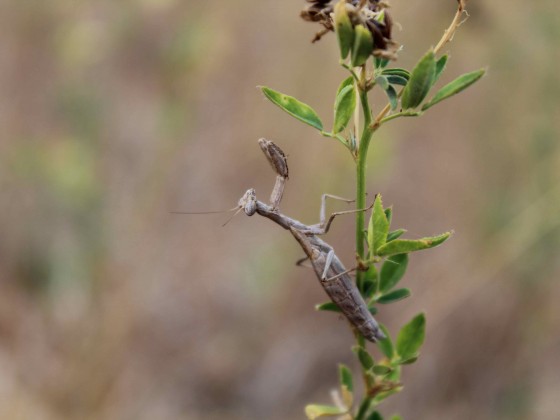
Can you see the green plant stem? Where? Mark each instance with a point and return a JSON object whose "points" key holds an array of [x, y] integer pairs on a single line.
{"points": [[364, 407], [361, 165], [361, 194]]}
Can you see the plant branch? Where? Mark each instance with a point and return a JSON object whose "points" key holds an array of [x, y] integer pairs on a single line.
{"points": [[447, 37], [450, 32], [361, 163]]}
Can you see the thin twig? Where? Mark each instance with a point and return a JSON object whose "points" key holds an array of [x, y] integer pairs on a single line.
{"points": [[450, 32]]}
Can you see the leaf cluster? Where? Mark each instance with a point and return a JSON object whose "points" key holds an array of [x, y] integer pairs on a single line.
{"points": [[382, 378], [387, 250]]}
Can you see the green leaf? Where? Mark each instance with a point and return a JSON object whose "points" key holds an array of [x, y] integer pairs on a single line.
{"points": [[401, 246], [370, 278], [345, 377], [389, 214], [397, 80], [384, 395], [420, 81], [314, 411], [378, 227], [408, 361], [456, 86], [343, 28], [396, 418], [372, 310], [365, 358], [440, 67], [411, 337], [363, 45], [395, 375], [379, 62], [328, 306], [386, 345], [382, 82], [395, 234], [346, 385], [344, 108], [375, 416], [393, 97], [294, 107], [394, 296], [392, 271], [397, 72], [381, 370], [349, 81]]}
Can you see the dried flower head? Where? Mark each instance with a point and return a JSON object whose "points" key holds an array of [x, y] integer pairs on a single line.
{"points": [[372, 14]]}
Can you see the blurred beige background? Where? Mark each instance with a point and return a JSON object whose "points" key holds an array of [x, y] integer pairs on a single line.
{"points": [[114, 113]]}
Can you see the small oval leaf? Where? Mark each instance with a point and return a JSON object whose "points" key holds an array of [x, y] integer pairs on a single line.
{"points": [[369, 282], [386, 345], [397, 80], [394, 296], [420, 82], [382, 82], [381, 370], [389, 213], [456, 86], [397, 72], [345, 377], [440, 67], [402, 246], [315, 411], [378, 227], [295, 108], [392, 271], [366, 360], [344, 108], [327, 306], [380, 63], [411, 337], [395, 234], [375, 416], [408, 361], [363, 45], [343, 28], [349, 81], [346, 385], [393, 97]]}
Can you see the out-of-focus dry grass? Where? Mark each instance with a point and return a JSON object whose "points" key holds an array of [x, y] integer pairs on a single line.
{"points": [[115, 113]]}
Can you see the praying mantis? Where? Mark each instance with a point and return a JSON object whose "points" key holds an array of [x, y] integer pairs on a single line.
{"points": [[333, 276]]}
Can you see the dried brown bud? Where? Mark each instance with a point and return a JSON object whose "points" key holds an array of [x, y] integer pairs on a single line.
{"points": [[370, 13]]}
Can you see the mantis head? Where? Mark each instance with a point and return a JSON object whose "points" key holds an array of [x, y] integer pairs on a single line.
{"points": [[249, 202]]}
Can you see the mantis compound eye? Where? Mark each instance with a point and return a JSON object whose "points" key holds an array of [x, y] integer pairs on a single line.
{"points": [[249, 202]]}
